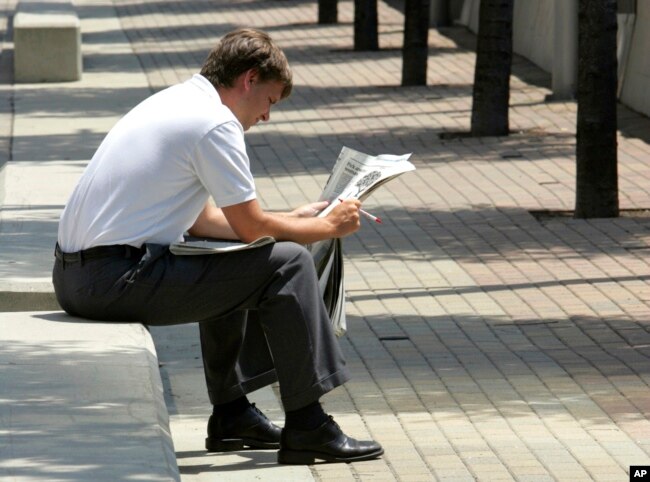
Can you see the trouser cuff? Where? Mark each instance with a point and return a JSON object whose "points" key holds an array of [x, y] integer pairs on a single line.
{"points": [[244, 388], [304, 398]]}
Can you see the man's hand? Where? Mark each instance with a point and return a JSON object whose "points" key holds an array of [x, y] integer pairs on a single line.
{"points": [[345, 217]]}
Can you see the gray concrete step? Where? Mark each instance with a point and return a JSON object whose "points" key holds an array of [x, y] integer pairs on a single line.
{"points": [[81, 401]]}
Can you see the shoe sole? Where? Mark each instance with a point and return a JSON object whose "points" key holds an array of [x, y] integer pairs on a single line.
{"points": [[300, 457], [233, 444]]}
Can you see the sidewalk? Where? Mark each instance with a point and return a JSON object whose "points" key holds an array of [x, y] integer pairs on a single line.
{"points": [[487, 339]]}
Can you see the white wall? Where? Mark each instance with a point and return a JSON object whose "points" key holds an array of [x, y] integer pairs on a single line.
{"points": [[635, 91], [532, 35], [532, 31], [533, 39]]}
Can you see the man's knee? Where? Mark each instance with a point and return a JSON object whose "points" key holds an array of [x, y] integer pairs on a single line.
{"points": [[289, 251], [294, 254]]}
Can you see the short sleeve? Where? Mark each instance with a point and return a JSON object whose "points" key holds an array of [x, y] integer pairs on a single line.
{"points": [[222, 165]]}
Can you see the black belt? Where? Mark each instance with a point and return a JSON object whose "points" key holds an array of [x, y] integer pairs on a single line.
{"points": [[98, 252]]}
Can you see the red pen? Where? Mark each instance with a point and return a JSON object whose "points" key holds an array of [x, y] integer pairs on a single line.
{"points": [[367, 214]]}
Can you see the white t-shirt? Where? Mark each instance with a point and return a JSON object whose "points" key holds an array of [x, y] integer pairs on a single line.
{"points": [[155, 170]]}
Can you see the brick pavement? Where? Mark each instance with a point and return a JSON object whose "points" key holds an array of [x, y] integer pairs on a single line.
{"points": [[486, 343]]}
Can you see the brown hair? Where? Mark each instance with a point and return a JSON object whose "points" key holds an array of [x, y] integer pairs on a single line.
{"points": [[244, 49]]}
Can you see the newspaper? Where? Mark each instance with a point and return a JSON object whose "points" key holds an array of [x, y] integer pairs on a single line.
{"points": [[197, 246], [354, 175]]}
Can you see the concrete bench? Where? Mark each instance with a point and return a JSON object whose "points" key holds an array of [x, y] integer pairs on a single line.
{"points": [[47, 42], [81, 401]]}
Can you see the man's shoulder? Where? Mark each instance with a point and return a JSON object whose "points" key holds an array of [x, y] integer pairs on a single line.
{"points": [[188, 104], [203, 99]]}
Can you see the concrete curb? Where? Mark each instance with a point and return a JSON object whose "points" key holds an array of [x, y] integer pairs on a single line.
{"points": [[77, 401]]}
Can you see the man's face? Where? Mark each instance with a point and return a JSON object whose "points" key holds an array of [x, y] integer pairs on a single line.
{"points": [[257, 101]]}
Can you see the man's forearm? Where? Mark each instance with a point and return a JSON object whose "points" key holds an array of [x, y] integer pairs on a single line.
{"points": [[250, 222], [302, 230]]}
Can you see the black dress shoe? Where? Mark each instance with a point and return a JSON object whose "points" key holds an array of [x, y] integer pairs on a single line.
{"points": [[327, 442], [251, 429]]}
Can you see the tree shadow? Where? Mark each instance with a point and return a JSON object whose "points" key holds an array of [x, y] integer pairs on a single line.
{"points": [[448, 357], [420, 291], [483, 235]]}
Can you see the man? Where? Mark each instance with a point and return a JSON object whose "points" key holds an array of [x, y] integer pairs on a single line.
{"points": [[260, 312]]}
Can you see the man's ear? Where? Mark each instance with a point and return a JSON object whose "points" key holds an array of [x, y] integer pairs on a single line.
{"points": [[251, 76]]}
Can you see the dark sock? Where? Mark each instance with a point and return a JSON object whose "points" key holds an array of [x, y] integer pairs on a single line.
{"points": [[233, 408], [306, 418]]}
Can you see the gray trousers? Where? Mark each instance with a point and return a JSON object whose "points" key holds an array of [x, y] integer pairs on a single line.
{"points": [[260, 311]]}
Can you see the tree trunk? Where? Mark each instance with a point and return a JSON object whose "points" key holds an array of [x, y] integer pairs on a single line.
{"points": [[366, 36], [491, 96], [440, 13], [415, 53], [327, 11], [596, 152]]}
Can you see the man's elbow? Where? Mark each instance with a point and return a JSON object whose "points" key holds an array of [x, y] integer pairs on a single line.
{"points": [[193, 231], [248, 221], [248, 235], [201, 226], [252, 229]]}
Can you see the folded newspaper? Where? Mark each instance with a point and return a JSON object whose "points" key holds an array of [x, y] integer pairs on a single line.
{"points": [[355, 175], [195, 246]]}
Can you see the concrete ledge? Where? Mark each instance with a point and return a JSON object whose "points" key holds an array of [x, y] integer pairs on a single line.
{"points": [[81, 401], [47, 42]]}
